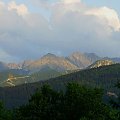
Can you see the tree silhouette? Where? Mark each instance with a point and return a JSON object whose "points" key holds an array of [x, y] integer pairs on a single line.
{"points": [[75, 103]]}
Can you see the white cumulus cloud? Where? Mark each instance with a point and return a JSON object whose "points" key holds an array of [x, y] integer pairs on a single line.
{"points": [[20, 9], [108, 15], [72, 26], [1, 4]]}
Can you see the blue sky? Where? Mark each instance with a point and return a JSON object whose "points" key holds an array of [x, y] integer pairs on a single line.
{"points": [[32, 28]]}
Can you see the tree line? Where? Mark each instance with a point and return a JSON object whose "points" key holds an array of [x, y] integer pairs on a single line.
{"points": [[76, 102]]}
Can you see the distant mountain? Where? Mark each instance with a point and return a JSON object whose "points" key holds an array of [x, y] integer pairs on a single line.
{"points": [[49, 66], [52, 61], [3, 66], [13, 66], [117, 60], [25, 63], [74, 61], [21, 65], [92, 57], [79, 59], [83, 60], [101, 63]]}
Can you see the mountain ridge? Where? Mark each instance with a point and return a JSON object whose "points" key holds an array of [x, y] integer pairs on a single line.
{"points": [[74, 61], [52, 61]]}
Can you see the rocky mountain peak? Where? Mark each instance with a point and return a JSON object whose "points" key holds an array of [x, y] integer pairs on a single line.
{"points": [[92, 57], [49, 55], [79, 59], [100, 63]]}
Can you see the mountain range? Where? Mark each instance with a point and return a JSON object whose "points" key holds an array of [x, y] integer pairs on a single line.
{"points": [[19, 81], [76, 60], [49, 66]]}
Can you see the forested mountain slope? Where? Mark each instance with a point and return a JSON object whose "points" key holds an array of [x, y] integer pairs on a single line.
{"points": [[12, 78], [104, 77]]}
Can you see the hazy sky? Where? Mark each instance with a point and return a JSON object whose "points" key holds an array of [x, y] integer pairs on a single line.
{"points": [[31, 28]]}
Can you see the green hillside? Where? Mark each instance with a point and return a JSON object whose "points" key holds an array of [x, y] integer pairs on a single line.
{"points": [[104, 77], [5, 74], [19, 79]]}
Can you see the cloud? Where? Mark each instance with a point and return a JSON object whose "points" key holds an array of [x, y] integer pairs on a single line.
{"points": [[72, 26], [1, 4], [20, 9], [22, 37], [108, 15], [88, 29], [70, 1]]}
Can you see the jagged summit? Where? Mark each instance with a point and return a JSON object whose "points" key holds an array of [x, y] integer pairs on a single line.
{"points": [[49, 55], [52, 61], [79, 59], [92, 57], [75, 61], [103, 62]]}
